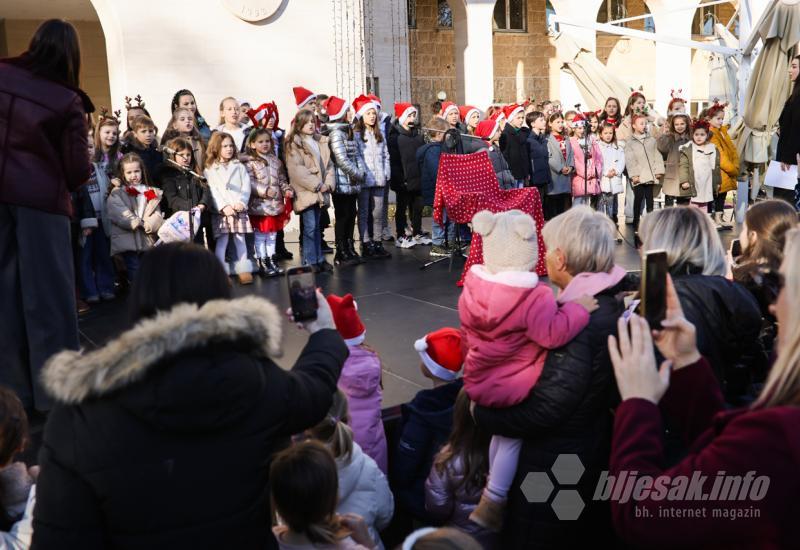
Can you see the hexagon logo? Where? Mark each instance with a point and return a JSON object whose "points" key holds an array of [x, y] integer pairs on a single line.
{"points": [[567, 469], [537, 487], [568, 504]]}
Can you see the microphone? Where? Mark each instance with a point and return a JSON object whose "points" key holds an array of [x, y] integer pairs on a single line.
{"points": [[169, 150]]}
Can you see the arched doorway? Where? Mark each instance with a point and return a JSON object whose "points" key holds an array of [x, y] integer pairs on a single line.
{"points": [[19, 19]]}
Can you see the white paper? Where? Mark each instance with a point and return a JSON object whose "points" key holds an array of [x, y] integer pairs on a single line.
{"points": [[778, 178]]}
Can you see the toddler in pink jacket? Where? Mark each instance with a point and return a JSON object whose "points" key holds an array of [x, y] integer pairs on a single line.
{"points": [[509, 320], [360, 381]]}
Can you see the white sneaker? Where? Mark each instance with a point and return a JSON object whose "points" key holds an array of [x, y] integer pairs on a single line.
{"points": [[406, 242], [423, 240]]}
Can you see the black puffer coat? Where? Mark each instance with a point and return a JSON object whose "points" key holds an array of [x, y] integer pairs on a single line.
{"points": [[514, 145], [403, 145], [567, 412], [163, 438]]}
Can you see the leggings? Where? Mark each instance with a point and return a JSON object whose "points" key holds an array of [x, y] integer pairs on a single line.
{"points": [[265, 244], [503, 459], [641, 192], [407, 200], [241, 251], [370, 209], [719, 202], [344, 206]]}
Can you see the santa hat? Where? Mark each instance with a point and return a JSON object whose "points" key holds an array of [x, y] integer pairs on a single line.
{"points": [[345, 316], [362, 104], [579, 120], [303, 96], [441, 353], [498, 116], [335, 107], [402, 110], [261, 115], [510, 111], [447, 106], [487, 128], [465, 111], [376, 100]]}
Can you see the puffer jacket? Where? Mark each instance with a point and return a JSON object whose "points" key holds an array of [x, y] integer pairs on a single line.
{"points": [[129, 233], [348, 161], [403, 145], [559, 183], [583, 184], [643, 160], [540, 159], [449, 501], [361, 383], [364, 490], [514, 145], [268, 185], [184, 412], [669, 146], [376, 158], [728, 159], [306, 176], [505, 179], [568, 411]]}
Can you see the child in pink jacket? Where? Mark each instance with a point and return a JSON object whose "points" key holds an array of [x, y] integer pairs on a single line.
{"points": [[360, 381], [588, 168], [509, 320]]}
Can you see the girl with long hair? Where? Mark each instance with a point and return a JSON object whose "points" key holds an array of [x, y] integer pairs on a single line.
{"points": [[183, 125], [185, 99], [229, 115]]}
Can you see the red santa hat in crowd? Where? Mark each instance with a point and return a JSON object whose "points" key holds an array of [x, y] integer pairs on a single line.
{"points": [[303, 96], [579, 120], [441, 353], [335, 107], [402, 110], [510, 111], [465, 111], [447, 106], [362, 104], [498, 115], [487, 128], [345, 316], [261, 115], [376, 100]]}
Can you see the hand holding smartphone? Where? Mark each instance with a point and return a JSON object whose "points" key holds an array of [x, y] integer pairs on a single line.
{"points": [[302, 293], [653, 291]]}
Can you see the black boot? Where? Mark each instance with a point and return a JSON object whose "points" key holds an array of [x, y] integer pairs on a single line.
{"points": [[340, 258], [351, 248], [380, 252], [271, 269], [367, 251], [262, 268], [326, 248], [280, 249]]}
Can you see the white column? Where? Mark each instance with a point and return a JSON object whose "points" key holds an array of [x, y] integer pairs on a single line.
{"points": [[472, 25], [673, 63], [579, 11]]}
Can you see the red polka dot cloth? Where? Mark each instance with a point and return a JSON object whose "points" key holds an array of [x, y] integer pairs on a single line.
{"points": [[466, 184]]}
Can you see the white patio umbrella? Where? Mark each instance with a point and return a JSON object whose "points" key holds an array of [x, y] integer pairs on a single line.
{"points": [[723, 69]]}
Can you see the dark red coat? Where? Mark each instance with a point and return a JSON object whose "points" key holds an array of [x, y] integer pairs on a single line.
{"points": [[43, 141], [764, 441]]}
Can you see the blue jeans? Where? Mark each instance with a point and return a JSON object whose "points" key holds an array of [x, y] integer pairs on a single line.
{"points": [[312, 236], [438, 232], [132, 260], [97, 272]]}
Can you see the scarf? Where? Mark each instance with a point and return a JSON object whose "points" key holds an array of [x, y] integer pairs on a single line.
{"points": [[562, 143]]}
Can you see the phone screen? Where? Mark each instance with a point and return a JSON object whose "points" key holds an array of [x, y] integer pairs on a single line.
{"points": [[302, 293], [736, 248], [654, 287]]}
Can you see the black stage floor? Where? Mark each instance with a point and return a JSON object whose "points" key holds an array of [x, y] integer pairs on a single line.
{"points": [[397, 301]]}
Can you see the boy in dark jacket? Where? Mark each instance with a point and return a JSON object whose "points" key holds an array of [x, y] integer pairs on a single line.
{"points": [[428, 160], [514, 144], [427, 419], [404, 140], [143, 143]]}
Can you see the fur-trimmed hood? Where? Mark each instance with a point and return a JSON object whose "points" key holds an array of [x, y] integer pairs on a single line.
{"points": [[72, 377]]}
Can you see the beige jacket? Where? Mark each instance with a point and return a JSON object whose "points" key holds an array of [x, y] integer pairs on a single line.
{"points": [[308, 181], [643, 160], [129, 233]]}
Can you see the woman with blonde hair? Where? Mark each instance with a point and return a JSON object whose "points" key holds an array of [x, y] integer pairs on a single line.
{"points": [[745, 461]]}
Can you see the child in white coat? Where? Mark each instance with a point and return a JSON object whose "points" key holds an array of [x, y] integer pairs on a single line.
{"points": [[611, 184], [229, 183]]}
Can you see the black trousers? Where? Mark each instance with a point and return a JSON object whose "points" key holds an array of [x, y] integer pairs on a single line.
{"points": [[344, 206], [719, 202], [556, 204], [641, 192], [669, 200], [408, 203], [37, 298]]}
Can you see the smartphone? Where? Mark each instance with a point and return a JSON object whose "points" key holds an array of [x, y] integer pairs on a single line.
{"points": [[653, 292], [302, 293], [736, 248]]}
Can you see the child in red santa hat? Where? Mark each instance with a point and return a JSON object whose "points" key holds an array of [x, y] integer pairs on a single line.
{"points": [[427, 419], [514, 144], [489, 132], [360, 381]]}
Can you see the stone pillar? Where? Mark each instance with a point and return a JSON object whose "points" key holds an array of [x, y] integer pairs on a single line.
{"points": [[584, 11], [472, 26], [673, 62]]}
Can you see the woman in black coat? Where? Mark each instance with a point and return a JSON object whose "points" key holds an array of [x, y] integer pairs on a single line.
{"points": [[163, 437], [725, 314], [789, 137], [568, 412]]}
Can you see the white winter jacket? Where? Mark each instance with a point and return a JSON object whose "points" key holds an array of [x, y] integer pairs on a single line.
{"points": [[363, 490], [613, 157], [376, 157], [228, 183]]}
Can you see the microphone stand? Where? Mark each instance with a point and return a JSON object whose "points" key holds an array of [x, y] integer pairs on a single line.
{"points": [[194, 174]]}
